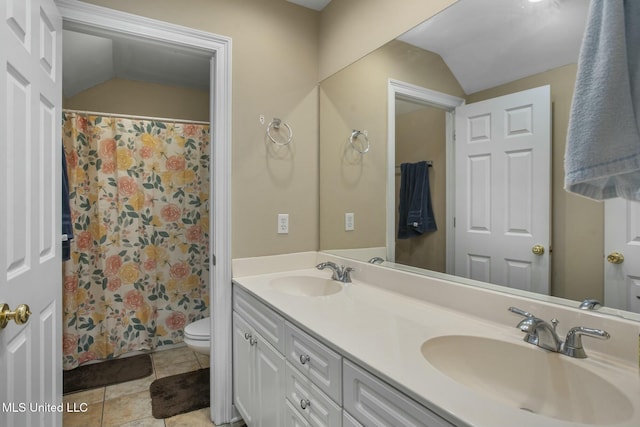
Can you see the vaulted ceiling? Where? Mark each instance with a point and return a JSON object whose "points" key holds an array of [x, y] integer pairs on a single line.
{"points": [[484, 42], [89, 60]]}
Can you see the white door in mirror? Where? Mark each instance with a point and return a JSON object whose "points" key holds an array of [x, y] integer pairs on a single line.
{"points": [[622, 254], [503, 178]]}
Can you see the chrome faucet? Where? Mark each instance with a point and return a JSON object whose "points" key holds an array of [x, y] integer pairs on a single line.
{"points": [[538, 332], [544, 335], [340, 273]]}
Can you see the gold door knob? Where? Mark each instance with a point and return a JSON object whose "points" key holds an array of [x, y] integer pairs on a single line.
{"points": [[538, 249], [615, 258], [20, 315]]}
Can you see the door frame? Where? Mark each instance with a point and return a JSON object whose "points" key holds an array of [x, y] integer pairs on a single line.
{"points": [[428, 97], [79, 15]]}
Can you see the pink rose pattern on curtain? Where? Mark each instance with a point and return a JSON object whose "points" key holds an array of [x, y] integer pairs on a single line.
{"points": [[139, 271]]}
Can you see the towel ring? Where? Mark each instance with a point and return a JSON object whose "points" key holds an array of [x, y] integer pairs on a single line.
{"points": [[354, 135], [275, 124]]}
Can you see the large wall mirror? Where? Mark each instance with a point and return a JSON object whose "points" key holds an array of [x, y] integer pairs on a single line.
{"points": [[474, 51]]}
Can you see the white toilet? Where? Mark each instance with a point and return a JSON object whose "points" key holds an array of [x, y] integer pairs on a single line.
{"points": [[197, 335]]}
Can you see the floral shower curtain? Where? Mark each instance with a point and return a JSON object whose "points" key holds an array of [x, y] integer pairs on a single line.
{"points": [[139, 271]]}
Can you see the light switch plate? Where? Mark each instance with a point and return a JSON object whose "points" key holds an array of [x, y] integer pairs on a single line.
{"points": [[349, 221]]}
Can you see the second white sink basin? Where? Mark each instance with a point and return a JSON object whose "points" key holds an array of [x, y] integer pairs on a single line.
{"points": [[531, 379], [308, 286]]}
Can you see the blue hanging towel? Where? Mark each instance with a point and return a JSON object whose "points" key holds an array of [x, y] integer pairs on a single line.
{"points": [[67, 227], [602, 158], [415, 210]]}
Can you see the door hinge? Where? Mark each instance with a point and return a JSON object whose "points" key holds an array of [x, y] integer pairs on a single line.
{"points": [[213, 259]]}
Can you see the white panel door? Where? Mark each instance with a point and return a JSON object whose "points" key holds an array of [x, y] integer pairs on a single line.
{"points": [[622, 236], [30, 254], [503, 177]]}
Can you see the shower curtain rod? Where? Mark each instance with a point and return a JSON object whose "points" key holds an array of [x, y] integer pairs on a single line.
{"points": [[128, 116]]}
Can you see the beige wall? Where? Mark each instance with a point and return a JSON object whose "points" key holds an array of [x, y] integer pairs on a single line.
{"points": [[275, 73], [577, 222], [421, 135], [120, 96], [356, 98], [350, 29]]}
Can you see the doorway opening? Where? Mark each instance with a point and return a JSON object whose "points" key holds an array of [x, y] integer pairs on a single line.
{"points": [[90, 19], [401, 92]]}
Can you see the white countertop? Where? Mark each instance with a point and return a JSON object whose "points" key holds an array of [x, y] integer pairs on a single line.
{"points": [[384, 330]]}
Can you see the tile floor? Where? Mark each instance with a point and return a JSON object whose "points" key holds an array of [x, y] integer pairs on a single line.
{"points": [[129, 404]]}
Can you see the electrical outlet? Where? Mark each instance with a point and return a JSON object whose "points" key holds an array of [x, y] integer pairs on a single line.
{"points": [[283, 223], [349, 221]]}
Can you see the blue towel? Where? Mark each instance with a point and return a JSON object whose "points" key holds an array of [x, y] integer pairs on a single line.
{"points": [[602, 158], [67, 227], [415, 210]]}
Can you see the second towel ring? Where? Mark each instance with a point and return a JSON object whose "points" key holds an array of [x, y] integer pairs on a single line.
{"points": [[275, 124], [354, 135]]}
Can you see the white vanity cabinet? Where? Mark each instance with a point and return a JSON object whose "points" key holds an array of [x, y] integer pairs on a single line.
{"points": [[284, 376], [259, 367], [375, 404]]}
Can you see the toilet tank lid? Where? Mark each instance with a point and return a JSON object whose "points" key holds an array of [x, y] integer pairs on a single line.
{"points": [[199, 328]]}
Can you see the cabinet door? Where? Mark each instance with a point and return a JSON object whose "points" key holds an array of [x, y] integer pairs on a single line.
{"points": [[269, 383], [376, 404], [242, 367]]}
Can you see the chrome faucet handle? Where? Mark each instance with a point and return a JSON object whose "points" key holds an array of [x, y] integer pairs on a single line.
{"points": [[572, 346], [520, 312], [590, 304]]}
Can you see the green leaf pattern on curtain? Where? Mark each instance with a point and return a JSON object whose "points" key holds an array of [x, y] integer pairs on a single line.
{"points": [[139, 270]]}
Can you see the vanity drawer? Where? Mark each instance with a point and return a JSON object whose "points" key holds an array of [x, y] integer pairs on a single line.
{"points": [[315, 406], [293, 418], [315, 360], [375, 403], [261, 318], [349, 421]]}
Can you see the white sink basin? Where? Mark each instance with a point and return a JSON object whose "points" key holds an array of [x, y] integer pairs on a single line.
{"points": [[307, 286], [531, 379]]}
